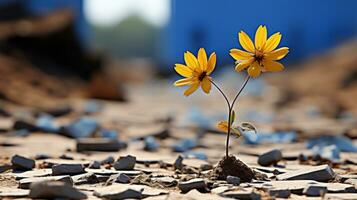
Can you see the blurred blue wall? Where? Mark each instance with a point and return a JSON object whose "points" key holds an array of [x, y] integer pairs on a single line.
{"points": [[308, 26]]}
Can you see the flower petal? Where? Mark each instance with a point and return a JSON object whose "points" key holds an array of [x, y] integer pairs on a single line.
{"points": [[260, 37], [277, 54], [272, 42], [273, 66], [239, 54], [254, 70], [202, 59], [223, 126], [184, 81], [183, 70], [206, 85], [211, 64], [191, 60], [244, 64], [192, 89], [246, 42]]}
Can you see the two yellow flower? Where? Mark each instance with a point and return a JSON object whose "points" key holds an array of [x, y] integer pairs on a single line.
{"points": [[257, 58]]}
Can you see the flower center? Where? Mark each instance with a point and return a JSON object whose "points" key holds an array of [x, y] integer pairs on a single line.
{"points": [[258, 56], [202, 76]]}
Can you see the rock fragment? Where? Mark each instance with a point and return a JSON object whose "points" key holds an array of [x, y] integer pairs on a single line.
{"points": [[87, 178], [99, 144], [118, 178], [233, 180], [270, 157], [82, 128], [150, 144], [125, 163], [249, 195], [318, 173], [196, 183], [54, 189], [279, 193], [315, 190], [23, 163], [94, 165], [67, 169], [178, 163]]}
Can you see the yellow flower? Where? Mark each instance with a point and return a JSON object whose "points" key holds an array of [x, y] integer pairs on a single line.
{"points": [[196, 71], [261, 56]]}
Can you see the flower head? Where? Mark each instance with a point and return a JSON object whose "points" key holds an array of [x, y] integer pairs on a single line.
{"points": [[260, 56], [196, 71]]}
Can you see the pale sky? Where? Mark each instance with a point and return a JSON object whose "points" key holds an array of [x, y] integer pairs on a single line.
{"points": [[110, 12]]}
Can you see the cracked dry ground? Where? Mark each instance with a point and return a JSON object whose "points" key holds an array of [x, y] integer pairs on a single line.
{"points": [[160, 145]]}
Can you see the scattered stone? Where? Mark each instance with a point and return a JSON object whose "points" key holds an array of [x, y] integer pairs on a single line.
{"points": [[233, 180], [107, 133], [196, 183], [42, 156], [318, 173], [184, 145], [82, 128], [270, 157], [107, 160], [26, 182], [166, 181], [279, 193], [5, 167], [315, 190], [99, 144], [54, 189], [125, 163], [94, 165], [87, 178], [107, 172], [294, 186], [195, 154], [248, 195], [24, 125], [67, 169], [178, 163], [117, 192], [23, 163], [150, 144], [46, 123], [118, 178]]}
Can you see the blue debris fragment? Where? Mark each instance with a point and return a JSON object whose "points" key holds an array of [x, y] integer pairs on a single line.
{"points": [[46, 123], [343, 143], [82, 128], [331, 152], [20, 133], [151, 144], [184, 145], [278, 137], [92, 106], [108, 133], [195, 154]]}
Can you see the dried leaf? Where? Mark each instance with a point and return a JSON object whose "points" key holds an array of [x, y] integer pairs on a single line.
{"points": [[246, 126]]}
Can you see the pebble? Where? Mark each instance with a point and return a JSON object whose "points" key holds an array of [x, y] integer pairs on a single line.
{"points": [[195, 154], [67, 169], [317, 173], [150, 144], [167, 181], [279, 137], [23, 163], [205, 167], [94, 165], [26, 182], [233, 180], [107, 160], [184, 145], [248, 195], [87, 178], [178, 163], [54, 189], [197, 183], [108, 133], [117, 192], [315, 190], [82, 128], [99, 144], [118, 178], [46, 123], [279, 193], [270, 157], [125, 163]]}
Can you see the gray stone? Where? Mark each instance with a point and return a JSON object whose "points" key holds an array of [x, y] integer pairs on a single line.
{"points": [[279, 193], [178, 163], [99, 144], [94, 165], [197, 183], [270, 157], [205, 167], [54, 189], [167, 181], [87, 178], [119, 193], [125, 163], [67, 169], [26, 182], [243, 195], [118, 178], [318, 173], [21, 162], [233, 180], [107, 160], [315, 190]]}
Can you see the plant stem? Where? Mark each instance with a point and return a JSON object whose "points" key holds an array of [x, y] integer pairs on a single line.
{"points": [[230, 108]]}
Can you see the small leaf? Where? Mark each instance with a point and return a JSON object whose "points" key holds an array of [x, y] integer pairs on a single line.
{"points": [[246, 126], [233, 117], [236, 131]]}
